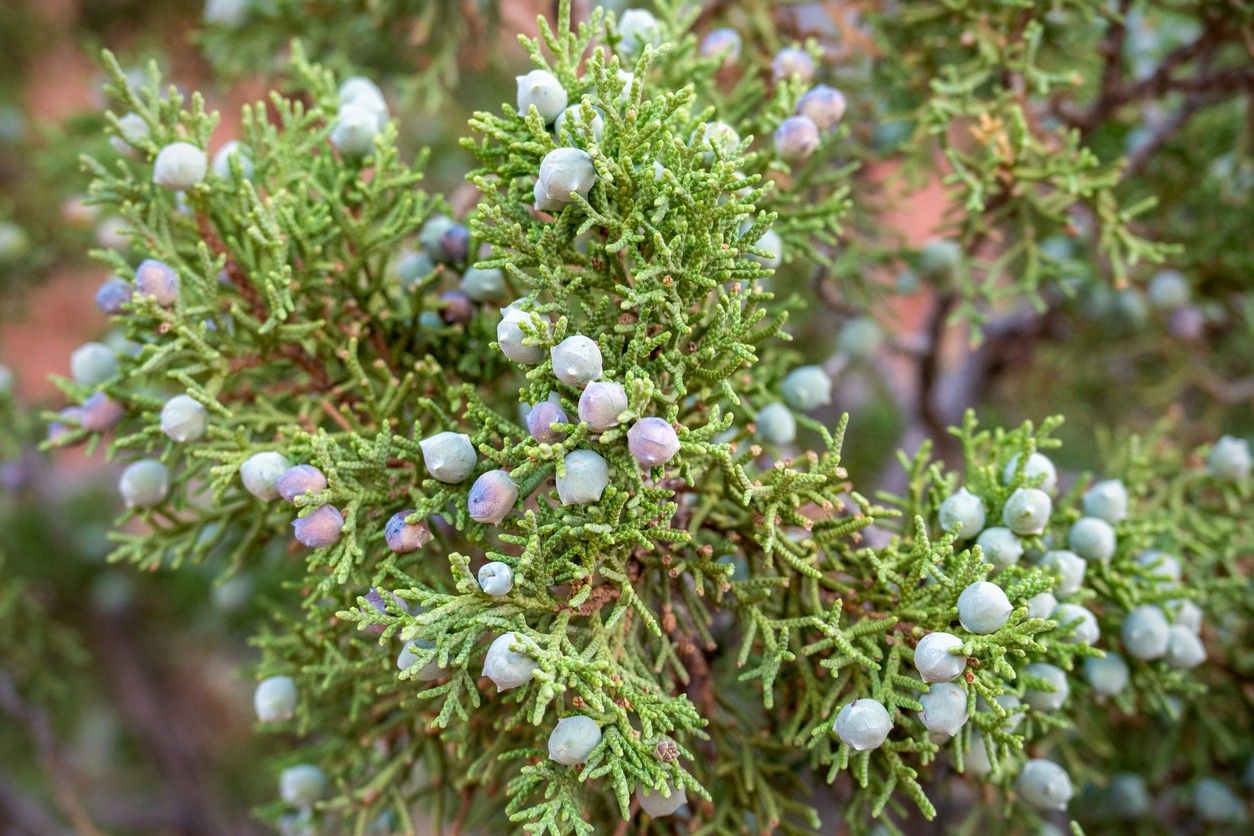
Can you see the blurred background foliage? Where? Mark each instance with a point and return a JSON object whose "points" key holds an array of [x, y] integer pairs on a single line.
{"points": [[126, 695]]}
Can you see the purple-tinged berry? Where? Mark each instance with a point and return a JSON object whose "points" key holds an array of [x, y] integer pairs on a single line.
{"points": [[404, 537], [540, 421], [792, 62], [113, 296], [492, 497], [101, 413], [320, 528], [157, 280], [796, 138], [652, 441], [601, 403], [299, 480], [823, 105]]}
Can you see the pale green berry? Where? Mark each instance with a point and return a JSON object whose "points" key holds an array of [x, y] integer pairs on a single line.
{"points": [[637, 28], [542, 90], [183, 418], [233, 150], [483, 284], [1068, 566], [1042, 699], [408, 658], [564, 172], [510, 337], [1044, 784], [1144, 632], [354, 131], [1000, 547], [1107, 675], [983, 608], [506, 667], [963, 511], [806, 388], [935, 659], [364, 93], [1092, 539], [586, 476], [448, 456], [719, 137], [1041, 605], [179, 166], [144, 484], [573, 739], [572, 119], [863, 724], [775, 424], [275, 699], [1127, 799], [496, 579], [1163, 569], [1214, 803], [944, 708], [1169, 290], [1083, 629], [1186, 613], [1184, 648], [132, 132], [659, 805], [1229, 460], [600, 404], [938, 260], [860, 338], [1027, 511], [302, 785], [91, 364], [260, 473], [1107, 500], [1039, 472], [771, 244], [975, 758], [576, 360]]}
